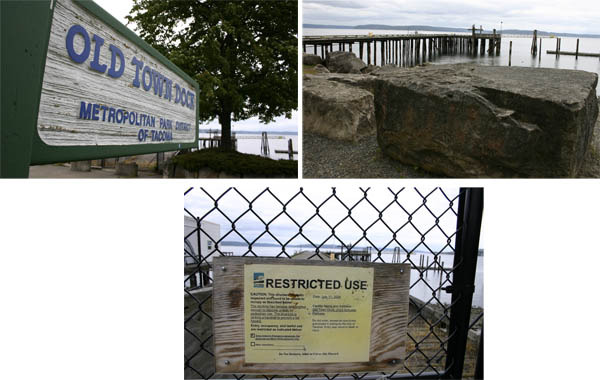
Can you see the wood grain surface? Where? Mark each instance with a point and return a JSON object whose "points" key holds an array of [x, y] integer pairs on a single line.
{"points": [[67, 83], [388, 321]]}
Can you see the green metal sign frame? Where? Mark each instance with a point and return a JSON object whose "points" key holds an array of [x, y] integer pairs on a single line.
{"points": [[25, 35]]}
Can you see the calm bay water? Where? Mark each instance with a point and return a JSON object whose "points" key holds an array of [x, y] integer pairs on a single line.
{"points": [[520, 51], [251, 143], [419, 287]]}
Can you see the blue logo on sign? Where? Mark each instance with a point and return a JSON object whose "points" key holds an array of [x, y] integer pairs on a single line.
{"points": [[259, 280]]}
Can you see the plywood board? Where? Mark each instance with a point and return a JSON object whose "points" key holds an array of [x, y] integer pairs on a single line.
{"points": [[308, 316]]}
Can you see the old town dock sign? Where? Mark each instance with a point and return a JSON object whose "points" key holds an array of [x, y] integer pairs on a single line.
{"points": [[99, 88], [105, 92]]}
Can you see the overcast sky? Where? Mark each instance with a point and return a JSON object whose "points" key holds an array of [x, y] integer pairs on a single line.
{"points": [[568, 16], [233, 205]]}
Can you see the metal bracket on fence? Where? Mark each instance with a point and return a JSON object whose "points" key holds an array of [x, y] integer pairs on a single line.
{"points": [[467, 288]]}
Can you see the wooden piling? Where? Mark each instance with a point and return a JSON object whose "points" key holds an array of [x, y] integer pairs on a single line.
{"points": [[474, 45], [498, 45], [540, 52], [290, 149], [360, 50], [509, 53], [577, 50], [534, 43], [375, 52], [368, 52]]}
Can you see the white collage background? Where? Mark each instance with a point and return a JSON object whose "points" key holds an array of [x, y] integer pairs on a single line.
{"points": [[73, 254]]}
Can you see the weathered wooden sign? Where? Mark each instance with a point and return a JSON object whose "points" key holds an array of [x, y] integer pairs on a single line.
{"points": [[102, 92], [281, 316]]}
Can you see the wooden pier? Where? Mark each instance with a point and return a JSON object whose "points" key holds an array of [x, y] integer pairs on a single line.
{"points": [[403, 49], [573, 53]]}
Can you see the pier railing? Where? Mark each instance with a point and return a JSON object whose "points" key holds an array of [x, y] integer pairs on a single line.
{"points": [[439, 334]]}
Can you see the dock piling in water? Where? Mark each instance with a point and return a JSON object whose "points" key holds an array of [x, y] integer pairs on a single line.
{"points": [[534, 43], [510, 53], [405, 49]]}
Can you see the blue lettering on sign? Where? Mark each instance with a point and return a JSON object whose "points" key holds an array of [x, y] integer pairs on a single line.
{"points": [[84, 55], [85, 111], [95, 109], [148, 71], [73, 31], [138, 66], [95, 63], [150, 78], [116, 52]]}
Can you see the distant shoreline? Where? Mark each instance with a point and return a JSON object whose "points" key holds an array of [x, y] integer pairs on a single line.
{"points": [[428, 28], [269, 132]]}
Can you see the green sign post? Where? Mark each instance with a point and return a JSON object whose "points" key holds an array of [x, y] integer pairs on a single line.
{"points": [[79, 85]]}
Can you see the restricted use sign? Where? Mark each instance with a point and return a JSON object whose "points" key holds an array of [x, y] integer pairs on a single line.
{"points": [[309, 314], [281, 316]]}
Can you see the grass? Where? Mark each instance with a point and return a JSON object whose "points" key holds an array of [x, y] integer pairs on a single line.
{"points": [[308, 69], [236, 163]]}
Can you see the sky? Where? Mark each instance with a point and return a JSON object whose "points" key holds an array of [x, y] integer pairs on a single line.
{"points": [[119, 9], [566, 16], [267, 207]]}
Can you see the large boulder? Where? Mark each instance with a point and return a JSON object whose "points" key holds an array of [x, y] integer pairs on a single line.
{"points": [[321, 69], [487, 121], [336, 110], [344, 62], [311, 59]]}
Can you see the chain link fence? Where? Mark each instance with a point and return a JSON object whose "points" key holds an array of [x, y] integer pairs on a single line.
{"points": [[436, 231]]}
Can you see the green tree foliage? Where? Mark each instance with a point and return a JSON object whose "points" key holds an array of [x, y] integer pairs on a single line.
{"points": [[244, 54]]}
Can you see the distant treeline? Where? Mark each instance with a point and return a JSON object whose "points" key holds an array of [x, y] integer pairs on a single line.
{"points": [[427, 28], [326, 246]]}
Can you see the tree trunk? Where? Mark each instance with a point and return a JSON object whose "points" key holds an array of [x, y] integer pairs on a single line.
{"points": [[225, 121]]}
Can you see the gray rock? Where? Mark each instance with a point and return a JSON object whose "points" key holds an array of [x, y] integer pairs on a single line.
{"points": [[311, 59], [344, 62], [368, 69], [124, 169], [336, 110], [366, 82], [487, 121], [321, 69], [81, 166]]}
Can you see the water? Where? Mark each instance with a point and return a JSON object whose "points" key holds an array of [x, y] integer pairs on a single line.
{"points": [[250, 143], [521, 55], [418, 289]]}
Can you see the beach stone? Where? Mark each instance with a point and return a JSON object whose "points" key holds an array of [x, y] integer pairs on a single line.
{"points": [[81, 166], [487, 121], [336, 110], [126, 169], [344, 62], [321, 69], [368, 69], [311, 59]]}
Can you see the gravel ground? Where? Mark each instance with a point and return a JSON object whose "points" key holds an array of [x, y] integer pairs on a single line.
{"points": [[325, 158]]}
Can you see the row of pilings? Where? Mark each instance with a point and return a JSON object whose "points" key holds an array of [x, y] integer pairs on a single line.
{"points": [[403, 50]]}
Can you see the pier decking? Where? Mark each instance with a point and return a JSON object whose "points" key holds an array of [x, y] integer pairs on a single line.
{"points": [[403, 49]]}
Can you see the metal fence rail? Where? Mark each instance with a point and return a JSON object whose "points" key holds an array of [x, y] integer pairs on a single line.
{"points": [[438, 337]]}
